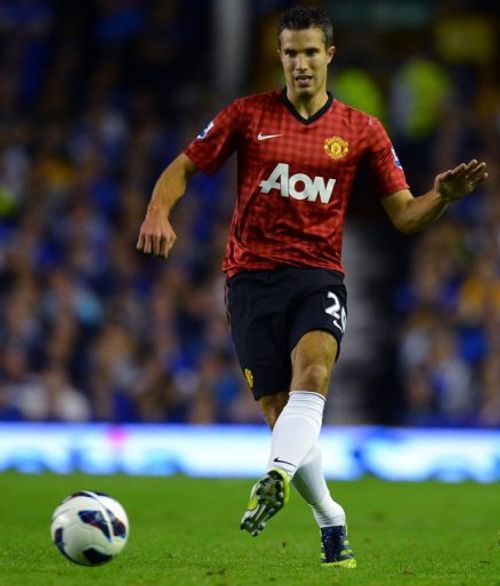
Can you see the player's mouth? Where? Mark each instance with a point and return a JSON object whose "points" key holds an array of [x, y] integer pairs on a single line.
{"points": [[303, 80]]}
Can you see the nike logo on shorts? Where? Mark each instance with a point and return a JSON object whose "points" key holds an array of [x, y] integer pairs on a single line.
{"points": [[261, 136]]}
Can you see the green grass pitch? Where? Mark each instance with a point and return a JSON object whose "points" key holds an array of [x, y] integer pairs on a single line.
{"points": [[184, 532]]}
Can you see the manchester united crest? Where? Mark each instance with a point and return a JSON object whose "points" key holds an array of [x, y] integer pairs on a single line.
{"points": [[249, 376], [336, 147]]}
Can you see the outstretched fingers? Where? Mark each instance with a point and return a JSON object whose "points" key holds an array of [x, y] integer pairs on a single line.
{"points": [[473, 172], [460, 181], [477, 173], [459, 170]]}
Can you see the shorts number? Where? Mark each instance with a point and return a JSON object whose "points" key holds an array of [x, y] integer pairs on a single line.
{"points": [[337, 312]]}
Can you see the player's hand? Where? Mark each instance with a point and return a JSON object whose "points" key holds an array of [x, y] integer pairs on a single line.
{"points": [[460, 181], [156, 235]]}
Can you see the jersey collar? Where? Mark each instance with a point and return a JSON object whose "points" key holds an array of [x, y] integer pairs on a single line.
{"points": [[300, 118]]}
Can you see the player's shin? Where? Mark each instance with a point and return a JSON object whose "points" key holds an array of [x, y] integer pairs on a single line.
{"points": [[309, 481], [296, 431]]}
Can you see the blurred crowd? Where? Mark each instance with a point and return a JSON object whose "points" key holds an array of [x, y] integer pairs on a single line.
{"points": [[97, 97], [449, 344], [90, 115]]}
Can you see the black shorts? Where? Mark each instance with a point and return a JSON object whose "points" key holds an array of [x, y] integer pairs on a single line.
{"points": [[269, 311]]}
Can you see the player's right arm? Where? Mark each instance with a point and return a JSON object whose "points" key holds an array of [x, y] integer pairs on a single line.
{"points": [[156, 235], [207, 153]]}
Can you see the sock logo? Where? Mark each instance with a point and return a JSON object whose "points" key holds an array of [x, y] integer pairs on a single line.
{"points": [[280, 461]]}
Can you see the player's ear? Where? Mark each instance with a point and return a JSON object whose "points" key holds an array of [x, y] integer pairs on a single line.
{"points": [[330, 52], [278, 50]]}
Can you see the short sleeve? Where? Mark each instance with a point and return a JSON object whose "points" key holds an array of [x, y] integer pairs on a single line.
{"points": [[217, 142], [384, 167]]}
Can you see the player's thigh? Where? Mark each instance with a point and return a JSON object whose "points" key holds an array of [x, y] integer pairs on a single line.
{"points": [[315, 337]]}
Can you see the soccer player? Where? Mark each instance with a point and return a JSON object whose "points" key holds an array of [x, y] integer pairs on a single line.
{"points": [[298, 151]]}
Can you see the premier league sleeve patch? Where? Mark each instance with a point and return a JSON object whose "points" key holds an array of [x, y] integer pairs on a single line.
{"points": [[397, 162], [205, 131]]}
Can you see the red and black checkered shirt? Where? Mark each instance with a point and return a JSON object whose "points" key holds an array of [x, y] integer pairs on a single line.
{"points": [[294, 177]]}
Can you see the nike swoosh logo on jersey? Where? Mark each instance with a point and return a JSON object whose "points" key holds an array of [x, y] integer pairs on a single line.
{"points": [[261, 136]]}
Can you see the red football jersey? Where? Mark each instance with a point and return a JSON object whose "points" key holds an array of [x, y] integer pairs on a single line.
{"points": [[294, 177]]}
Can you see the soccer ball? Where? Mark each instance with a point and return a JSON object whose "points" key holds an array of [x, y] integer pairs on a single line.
{"points": [[89, 528]]}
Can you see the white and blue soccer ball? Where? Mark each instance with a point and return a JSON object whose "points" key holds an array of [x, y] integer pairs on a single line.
{"points": [[89, 528]]}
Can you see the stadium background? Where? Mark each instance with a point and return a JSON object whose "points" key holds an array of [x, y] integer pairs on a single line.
{"points": [[97, 97]]}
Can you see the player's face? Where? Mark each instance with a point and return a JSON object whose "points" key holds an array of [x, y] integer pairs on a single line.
{"points": [[305, 60]]}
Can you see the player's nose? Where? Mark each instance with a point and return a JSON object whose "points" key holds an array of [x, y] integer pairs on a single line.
{"points": [[301, 63]]}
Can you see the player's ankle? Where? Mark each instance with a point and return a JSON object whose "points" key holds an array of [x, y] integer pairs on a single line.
{"points": [[329, 513], [286, 472]]}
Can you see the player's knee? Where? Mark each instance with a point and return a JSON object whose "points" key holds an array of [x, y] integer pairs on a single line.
{"points": [[313, 377], [271, 414], [272, 406], [271, 418]]}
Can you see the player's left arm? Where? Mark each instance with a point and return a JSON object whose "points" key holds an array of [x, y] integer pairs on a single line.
{"points": [[410, 214]]}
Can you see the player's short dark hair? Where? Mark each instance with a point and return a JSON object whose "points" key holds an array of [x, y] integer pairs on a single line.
{"points": [[304, 17]]}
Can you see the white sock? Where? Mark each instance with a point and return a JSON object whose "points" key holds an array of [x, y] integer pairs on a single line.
{"points": [[310, 483], [296, 430]]}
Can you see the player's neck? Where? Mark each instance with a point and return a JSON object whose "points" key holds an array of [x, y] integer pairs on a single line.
{"points": [[307, 106]]}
